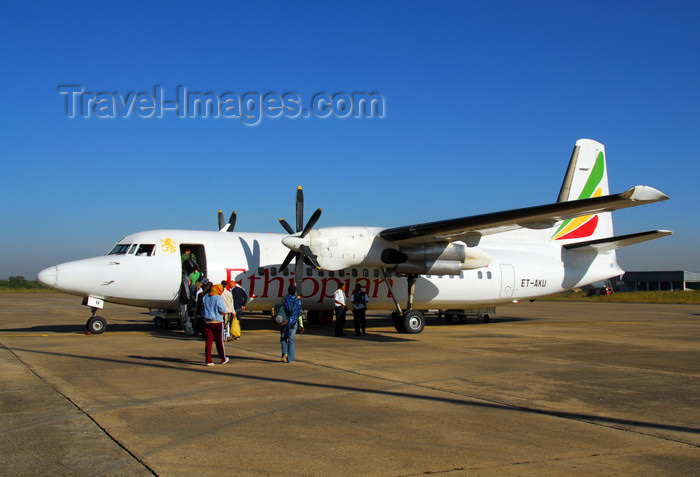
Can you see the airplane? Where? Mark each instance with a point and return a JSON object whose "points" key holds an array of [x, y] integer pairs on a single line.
{"points": [[457, 264]]}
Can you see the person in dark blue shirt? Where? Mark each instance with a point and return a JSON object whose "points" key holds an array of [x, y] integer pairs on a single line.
{"points": [[292, 306], [359, 310]]}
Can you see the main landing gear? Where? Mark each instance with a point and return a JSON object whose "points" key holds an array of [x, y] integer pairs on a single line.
{"points": [[411, 321]]}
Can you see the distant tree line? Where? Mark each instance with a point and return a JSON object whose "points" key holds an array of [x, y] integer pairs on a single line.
{"points": [[19, 282]]}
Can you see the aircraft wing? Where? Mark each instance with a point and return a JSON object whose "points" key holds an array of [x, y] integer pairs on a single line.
{"points": [[537, 217]]}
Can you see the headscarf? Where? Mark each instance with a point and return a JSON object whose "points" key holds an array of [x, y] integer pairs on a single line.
{"points": [[216, 290]]}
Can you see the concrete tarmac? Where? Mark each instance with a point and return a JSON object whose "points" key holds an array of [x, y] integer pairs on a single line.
{"points": [[544, 389]]}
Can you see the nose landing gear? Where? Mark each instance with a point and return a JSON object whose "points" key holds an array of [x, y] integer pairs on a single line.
{"points": [[96, 324]]}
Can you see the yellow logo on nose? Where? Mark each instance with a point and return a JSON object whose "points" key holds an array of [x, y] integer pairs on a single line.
{"points": [[167, 245]]}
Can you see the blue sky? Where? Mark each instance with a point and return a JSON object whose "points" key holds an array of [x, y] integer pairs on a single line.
{"points": [[483, 103]]}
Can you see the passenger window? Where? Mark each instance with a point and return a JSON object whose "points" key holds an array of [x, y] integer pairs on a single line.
{"points": [[480, 275], [320, 273], [145, 250], [308, 272], [354, 272], [273, 271], [365, 273], [285, 272], [261, 271], [376, 273], [488, 275], [331, 273]]}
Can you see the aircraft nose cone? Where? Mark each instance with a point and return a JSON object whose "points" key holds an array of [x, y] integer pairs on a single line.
{"points": [[47, 277]]}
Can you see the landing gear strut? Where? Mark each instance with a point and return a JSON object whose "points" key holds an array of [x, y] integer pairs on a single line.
{"points": [[411, 321]]}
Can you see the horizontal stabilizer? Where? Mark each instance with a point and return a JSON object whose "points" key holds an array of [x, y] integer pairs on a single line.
{"points": [[612, 243]]}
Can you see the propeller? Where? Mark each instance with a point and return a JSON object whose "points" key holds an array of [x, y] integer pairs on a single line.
{"points": [[227, 227], [299, 248]]}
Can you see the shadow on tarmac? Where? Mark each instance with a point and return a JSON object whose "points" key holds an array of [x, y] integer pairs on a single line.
{"points": [[174, 332], [168, 359], [80, 329], [167, 363], [434, 321]]}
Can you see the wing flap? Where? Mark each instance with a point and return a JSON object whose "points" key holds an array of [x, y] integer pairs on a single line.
{"points": [[612, 243], [528, 217]]}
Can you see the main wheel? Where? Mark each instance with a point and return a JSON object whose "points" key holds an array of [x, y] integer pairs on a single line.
{"points": [[96, 325], [413, 322], [398, 322], [158, 321]]}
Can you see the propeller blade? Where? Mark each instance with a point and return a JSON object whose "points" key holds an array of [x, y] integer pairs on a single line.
{"points": [[310, 255], [288, 259], [222, 223], [300, 209], [305, 255], [310, 224], [286, 226], [299, 272], [232, 221]]}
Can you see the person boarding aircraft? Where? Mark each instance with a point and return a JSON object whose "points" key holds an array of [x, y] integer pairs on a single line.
{"points": [[464, 263]]}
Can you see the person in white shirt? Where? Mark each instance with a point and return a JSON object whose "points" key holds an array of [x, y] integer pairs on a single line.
{"points": [[230, 311], [340, 309]]}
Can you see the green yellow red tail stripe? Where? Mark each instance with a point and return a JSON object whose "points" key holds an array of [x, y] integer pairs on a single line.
{"points": [[580, 227]]}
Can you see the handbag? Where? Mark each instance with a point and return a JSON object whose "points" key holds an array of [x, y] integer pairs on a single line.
{"points": [[235, 328]]}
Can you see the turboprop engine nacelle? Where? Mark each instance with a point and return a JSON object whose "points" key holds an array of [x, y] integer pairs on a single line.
{"points": [[437, 259], [336, 248]]}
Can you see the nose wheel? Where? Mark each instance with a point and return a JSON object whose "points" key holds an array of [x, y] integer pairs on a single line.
{"points": [[96, 324]]}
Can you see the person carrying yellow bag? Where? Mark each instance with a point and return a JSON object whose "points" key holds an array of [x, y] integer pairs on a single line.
{"points": [[230, 311]]}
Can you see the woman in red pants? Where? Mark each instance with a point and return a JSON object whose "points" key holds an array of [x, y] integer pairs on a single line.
{"points": [[213, 313]]}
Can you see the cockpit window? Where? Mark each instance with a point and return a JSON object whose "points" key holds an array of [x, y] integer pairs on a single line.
{"points": [[145, 250], [120, 249], [132, 249]]}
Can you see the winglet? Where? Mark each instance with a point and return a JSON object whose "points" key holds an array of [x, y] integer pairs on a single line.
{"points": [[642, 193]]}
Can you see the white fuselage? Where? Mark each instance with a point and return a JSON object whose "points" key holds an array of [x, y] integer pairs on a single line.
{"points": [[522, 266]]}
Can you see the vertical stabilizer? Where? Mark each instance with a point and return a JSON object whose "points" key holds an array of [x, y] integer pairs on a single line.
{"points": [[586, 177]]}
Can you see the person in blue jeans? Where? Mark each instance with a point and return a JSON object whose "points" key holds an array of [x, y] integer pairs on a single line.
{"points": [[292, 306]]}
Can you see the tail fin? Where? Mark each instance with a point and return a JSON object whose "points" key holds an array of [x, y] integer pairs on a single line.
{"points": [[586, 177]]}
